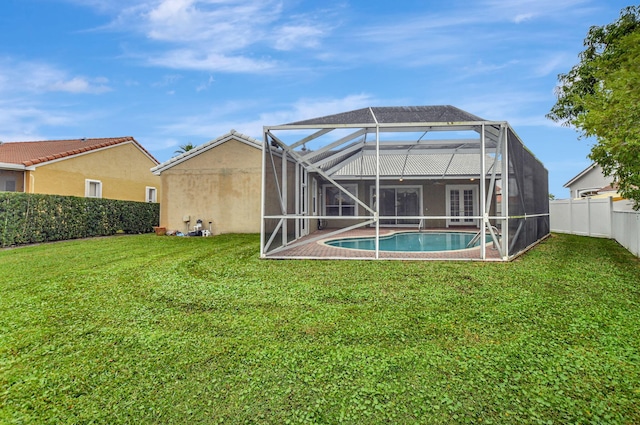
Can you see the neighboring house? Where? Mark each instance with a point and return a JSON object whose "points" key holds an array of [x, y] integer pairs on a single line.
{"points": [[218, 183], [590, 182], [114, 168]]}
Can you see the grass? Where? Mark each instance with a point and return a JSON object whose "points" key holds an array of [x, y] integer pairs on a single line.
{"points": [[147, 329]]}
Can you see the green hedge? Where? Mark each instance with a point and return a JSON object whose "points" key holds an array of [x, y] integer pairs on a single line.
{"points": [[31, 218]]}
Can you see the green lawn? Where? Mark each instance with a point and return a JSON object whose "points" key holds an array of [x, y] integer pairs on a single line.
{"points": [[155, 330]]}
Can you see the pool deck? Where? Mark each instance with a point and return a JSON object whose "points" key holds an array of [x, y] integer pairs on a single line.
{"points": [[310, 248]]}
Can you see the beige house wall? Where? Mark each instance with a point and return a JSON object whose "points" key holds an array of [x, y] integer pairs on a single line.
{"points": [[221, 185], [434, 199], [123, 170]]}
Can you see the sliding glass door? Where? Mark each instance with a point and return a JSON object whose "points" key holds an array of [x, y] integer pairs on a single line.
{"points": [[397, 202]]}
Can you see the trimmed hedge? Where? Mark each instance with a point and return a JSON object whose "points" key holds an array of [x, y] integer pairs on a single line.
{"points": [[31, 218]]}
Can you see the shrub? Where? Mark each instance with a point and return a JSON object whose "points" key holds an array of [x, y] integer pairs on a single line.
{"points": [[30, 218]]}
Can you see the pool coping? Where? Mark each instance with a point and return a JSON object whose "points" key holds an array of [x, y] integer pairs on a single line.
{"points": [[392, 233]]}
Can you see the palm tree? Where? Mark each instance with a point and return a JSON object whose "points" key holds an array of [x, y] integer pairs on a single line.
{"points": [[184, 148]]}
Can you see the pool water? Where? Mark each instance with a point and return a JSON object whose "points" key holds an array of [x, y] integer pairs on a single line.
{"points": [[410, 242]]}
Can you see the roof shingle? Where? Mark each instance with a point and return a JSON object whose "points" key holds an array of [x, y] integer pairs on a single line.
{"points": [[395, 114]]}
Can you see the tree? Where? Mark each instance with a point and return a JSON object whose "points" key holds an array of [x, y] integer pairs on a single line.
{"points": [[600, 97], [184, 148]]}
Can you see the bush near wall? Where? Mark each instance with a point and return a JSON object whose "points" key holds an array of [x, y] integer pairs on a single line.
{"points": [[31, 218]]}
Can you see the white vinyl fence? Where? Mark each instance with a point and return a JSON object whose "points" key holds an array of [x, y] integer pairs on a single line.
{"points": [[596, 218]]}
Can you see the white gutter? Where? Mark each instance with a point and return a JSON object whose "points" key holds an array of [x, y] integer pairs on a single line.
{"points": [[11, 166]]}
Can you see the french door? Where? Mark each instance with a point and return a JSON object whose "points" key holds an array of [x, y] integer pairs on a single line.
{"points": [[462, 204]]}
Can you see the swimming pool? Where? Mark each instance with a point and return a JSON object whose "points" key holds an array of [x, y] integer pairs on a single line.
{"points": [[410, 242]]}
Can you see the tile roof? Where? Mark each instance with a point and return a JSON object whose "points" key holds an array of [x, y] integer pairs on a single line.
{"points": [[37, 152]]}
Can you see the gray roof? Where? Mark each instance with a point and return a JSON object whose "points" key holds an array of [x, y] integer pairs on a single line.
{"points": [[395, 114], [443, 165]]}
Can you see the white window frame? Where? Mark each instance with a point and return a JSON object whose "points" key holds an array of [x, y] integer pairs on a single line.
{"points": [[352, 188], [462, 187], [314, 196], [586, 193], [151, 194], [87, 188]]}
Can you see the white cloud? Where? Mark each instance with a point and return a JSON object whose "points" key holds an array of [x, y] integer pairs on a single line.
{"points": [[553, 64], [217, 35], [205, 86], [21, 119], [167, 80], [78, 85], [292, 36], [42, 77], [223, 118], [523, 10], [522, 17], [202, 61], [514, 106]]}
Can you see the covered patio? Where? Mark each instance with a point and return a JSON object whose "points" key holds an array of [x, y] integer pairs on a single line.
{"points": [[380, 170]]}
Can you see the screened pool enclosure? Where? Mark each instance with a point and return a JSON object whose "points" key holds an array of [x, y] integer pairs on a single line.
{"points": [[378, 171]]}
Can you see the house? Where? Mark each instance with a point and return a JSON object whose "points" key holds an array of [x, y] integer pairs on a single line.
{"points": [[395, 168], [590, 182], [217, 183], [114, 168]]}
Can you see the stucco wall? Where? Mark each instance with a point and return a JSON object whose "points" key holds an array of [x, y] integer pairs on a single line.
{"points": [[593, 179], [221, 185], [123, 170]]}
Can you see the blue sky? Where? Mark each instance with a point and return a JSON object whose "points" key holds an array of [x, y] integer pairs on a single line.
{"points": [[170, 72]]}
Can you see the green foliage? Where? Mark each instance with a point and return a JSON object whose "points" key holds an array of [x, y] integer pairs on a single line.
{"points": [[32, 218], [599, 96], [184, 148], [160, 330]]}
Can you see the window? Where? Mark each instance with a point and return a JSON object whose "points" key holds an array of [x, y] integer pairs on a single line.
{"points": [[93, 188], [585, 193], [151, 194], [10, 185], [337, 203]]}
